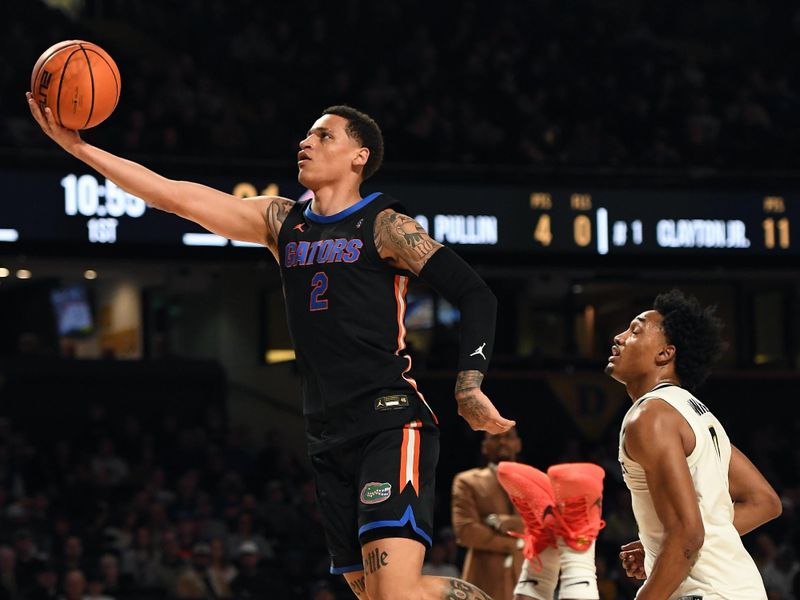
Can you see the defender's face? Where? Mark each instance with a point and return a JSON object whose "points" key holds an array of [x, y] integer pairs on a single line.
{"points": [[327, 153], [636, 349]]}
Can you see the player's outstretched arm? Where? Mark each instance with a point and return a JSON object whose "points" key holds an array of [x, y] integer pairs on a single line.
{"points": [[252, 220], [653, 438], [754, 500], [404, 244]]}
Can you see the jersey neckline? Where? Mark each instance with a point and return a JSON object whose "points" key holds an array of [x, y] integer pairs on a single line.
{"points": [[312, 216]]}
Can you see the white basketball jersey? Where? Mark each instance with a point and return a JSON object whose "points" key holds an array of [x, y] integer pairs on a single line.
{"points": [[724, 569]]}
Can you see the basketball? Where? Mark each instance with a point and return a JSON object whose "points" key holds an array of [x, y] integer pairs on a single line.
{"points": [[79, 81]]}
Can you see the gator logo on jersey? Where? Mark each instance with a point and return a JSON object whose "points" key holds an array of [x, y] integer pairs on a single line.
{"points": [[374, 492], [320, 252]]}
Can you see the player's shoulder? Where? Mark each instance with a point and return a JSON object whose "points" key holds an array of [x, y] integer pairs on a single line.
{"points": [[651, 414]]}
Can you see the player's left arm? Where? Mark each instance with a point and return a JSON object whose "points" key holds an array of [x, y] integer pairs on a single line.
{"points": [[405, 245], [754, 500], [654, 438]]}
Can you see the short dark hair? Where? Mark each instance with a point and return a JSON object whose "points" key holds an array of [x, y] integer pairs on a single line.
{"points": [[364, 129], [696, 333]]}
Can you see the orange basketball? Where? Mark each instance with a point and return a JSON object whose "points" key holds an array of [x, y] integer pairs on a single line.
{"points": [[79, 81]]}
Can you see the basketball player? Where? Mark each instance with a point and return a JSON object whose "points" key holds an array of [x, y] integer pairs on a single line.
{"points": [[345, 263], [693, 493]]}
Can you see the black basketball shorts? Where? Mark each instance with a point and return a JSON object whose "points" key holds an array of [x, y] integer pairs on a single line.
{"points": [[377, 487]]}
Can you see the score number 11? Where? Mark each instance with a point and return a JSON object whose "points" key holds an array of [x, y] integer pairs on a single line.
{"points": [[782, 227]]}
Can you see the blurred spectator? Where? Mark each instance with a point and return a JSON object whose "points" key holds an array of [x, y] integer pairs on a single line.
{"points": [[220, 570], [27, 558], [113, 582], [195, 581], [170, 563], [255, 580], [482, 516], [95, 590], [140, 561], [74, 585], [71, 558], [108, 468], [245, 532], [46, 584], [779, 574], [9, 589]]}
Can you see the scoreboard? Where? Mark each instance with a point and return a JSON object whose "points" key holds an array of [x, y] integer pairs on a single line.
{"points": [[79, 210]]}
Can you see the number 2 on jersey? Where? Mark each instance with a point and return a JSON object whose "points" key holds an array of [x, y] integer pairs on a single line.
{"points": [[319, 285]]}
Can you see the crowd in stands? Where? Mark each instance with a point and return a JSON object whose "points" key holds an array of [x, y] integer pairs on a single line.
{"points": [[539, 84], [122, 507]]}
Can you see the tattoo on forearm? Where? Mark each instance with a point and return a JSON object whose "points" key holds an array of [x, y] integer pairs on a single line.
{"points": [[358, 586], [276, 214], [375, 560], [461, 590], [402, 237], [468, 380], [472, 410]]}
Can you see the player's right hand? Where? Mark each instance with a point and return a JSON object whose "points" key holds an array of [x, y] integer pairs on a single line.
{"points": [[66, 138], [632, 558], [477, 410]]}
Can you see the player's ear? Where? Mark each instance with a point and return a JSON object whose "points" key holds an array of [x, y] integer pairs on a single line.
{"points": [[665, 355], [361, 157]]}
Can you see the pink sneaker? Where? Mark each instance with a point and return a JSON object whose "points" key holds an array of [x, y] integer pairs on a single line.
{"points": [[532, 495], [578, 490]]}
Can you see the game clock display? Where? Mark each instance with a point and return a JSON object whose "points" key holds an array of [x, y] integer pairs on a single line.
{"points": [[80, 210]]}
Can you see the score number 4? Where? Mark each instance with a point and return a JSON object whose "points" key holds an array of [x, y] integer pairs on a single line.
{"points": [[581, 230]]}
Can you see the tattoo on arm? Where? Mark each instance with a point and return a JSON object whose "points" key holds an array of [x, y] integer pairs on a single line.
{"points": [[375, 560], [455, 589], [276, 214], [400, 238], [470, 407], [358, 586], [468, 380]]}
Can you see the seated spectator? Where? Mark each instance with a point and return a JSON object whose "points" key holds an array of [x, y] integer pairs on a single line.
{"points": [[46, 584], [9, 590], [74, 585], [195, 581], [256, 580]]}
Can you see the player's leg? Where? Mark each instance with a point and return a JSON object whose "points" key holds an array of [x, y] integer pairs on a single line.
{"points": [[538, 579], [578, 573], [357, 583], [393, 568], [334, 477], [395, 514], [578, 489], [532, 494]]}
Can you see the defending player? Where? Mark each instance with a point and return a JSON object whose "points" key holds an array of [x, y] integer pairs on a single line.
{"points": [[693, 493]]}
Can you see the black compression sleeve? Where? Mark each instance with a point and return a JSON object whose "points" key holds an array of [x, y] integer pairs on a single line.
{"points": [[457, 282]]}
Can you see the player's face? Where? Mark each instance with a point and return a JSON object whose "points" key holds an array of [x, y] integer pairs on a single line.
{"points": [[328, 153], [636, 350]]}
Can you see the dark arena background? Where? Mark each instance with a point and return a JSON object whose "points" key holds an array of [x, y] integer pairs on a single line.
{"points": [[581, 156]]}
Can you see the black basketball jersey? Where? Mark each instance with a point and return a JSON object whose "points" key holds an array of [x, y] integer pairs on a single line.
{"points": [[345, 308]]}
